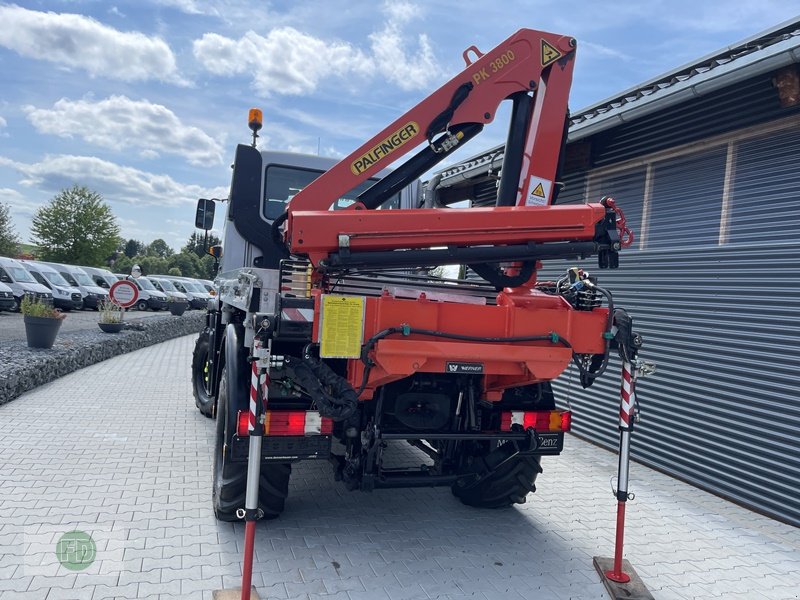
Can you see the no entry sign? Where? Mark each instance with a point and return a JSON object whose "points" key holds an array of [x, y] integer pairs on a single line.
{"points": [[124, 293]]}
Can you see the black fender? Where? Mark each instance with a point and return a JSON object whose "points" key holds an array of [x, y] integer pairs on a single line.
{"points": [[238, 370]]}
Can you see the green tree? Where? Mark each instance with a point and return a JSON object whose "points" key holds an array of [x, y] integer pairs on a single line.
{"points": [[175, 271], [196, 242], [9, 242], [152, 265], [133, 248], [188, 264], [208, 267], [159, 248], [76, 227]]}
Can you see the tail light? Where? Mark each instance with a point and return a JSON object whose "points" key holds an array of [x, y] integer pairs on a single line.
{"points": [[288, 422], [540, 420]]}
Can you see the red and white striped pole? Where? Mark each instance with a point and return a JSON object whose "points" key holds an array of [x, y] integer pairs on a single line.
{"points": [[626, 417], [251, 514]]}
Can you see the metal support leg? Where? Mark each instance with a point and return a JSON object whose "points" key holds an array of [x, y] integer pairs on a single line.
{"points": [[251, 512], [626, 417]]}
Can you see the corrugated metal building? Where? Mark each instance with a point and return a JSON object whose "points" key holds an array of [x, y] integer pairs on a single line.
{"points": [[705, 162]]}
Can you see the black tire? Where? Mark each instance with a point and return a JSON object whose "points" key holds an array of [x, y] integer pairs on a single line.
{"points": [[141, 305], [510, 484], [203, 400], [16, 305], [230, 478]]}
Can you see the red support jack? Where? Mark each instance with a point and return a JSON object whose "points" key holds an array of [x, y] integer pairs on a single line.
{"points": [[618, 575]]}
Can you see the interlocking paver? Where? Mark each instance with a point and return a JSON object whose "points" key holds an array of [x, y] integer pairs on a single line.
{"points": [[127, 458]]}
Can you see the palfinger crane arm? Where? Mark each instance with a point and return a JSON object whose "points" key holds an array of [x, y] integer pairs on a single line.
{"points": [[534, 70]]}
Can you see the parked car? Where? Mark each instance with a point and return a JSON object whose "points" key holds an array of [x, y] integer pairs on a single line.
{"points": [[102, 277], [165, 285], [65, 296], [208, 285], [77, 277], [149, 295], [198, 296], [6, 297], [21, 282]]}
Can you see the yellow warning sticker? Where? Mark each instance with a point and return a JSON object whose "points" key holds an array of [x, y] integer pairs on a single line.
{"points": [[550, 53], [342, 328], [538, 191]]}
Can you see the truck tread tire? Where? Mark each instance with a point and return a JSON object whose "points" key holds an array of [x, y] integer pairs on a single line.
{"points": [[509, 485], [141, 305], [230, 478], [202, 399]]}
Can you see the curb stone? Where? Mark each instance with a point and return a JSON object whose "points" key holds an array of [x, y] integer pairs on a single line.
{"points": [[23, 368]]}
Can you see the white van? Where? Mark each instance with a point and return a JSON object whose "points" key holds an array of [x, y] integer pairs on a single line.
{"points": [[149, 295], [198, 296], [6, 297], [77, 277], [65, 296], [15, 276], [102, 277], [165, 285]]}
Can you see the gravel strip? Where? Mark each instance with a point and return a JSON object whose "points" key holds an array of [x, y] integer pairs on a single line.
{"points": [[23, 368]]}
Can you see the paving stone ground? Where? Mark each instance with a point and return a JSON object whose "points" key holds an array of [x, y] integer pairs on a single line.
{"points": [[118, 450]]}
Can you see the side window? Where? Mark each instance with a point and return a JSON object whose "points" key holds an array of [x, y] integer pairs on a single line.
{"points": [[38, 277], [100, 281], [4, 276]]}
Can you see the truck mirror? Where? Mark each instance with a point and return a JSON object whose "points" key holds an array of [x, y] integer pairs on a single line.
{"points": [[215, 251], [204, 218]]}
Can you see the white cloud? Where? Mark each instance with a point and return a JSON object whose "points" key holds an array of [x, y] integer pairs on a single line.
{"points": [[77, 41], [288, 61], [119, 122], [391, 59], [117, 183], [3, 122]]}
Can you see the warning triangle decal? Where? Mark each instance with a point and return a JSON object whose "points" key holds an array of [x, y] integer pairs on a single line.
{"points": [[549, 53], [538, 191]]}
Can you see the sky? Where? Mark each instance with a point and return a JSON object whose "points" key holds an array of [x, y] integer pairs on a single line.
{"points": [[145, 101]]}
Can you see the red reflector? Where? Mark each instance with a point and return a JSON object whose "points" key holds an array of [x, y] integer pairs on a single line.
{"points": [[566, 421], [327, 426], [243, 419], [285, 423], [505, 421]]}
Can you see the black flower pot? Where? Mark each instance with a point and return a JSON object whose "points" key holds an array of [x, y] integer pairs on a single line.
{"points": [[177, 308], [41, 331], [111, 327]]}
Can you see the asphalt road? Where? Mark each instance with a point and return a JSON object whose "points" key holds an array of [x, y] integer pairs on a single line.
{"points": [[12, 328]]}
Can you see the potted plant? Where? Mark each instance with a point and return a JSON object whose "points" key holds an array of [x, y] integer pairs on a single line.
{"points": [[177, 305], [110, 317], [42, 321]]}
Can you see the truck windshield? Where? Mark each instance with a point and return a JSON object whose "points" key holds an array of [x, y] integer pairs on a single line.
{"points": [[145, 283], [167, 286], [83, 278], [21, 275], [55, 278], [283, 183]]}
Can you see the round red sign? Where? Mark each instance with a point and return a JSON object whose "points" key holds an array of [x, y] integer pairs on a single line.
{"points": [[124, 293]]}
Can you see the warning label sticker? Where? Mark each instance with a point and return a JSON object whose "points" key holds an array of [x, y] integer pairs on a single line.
{"points": [[550, 53], [538, 192], [342, 327]]}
